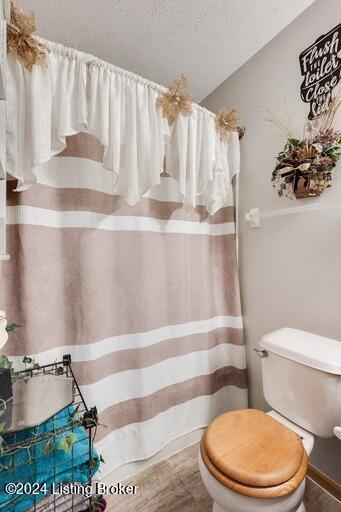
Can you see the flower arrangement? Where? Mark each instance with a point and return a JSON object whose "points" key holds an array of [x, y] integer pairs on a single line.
{"points": [[304, 167]]}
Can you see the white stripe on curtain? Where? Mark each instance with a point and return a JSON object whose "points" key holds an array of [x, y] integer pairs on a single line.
{"points": [[140, 441], [75, 219], [93, 351], [72, 172], [122, 386]]}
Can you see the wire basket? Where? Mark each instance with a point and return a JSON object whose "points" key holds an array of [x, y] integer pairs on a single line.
{"points": [[33, 460]]}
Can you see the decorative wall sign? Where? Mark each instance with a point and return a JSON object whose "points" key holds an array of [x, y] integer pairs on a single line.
{"points": [[321, 68]]}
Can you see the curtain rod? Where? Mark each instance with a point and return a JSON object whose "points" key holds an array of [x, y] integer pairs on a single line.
{"points": [[241, 132], [91, 60]]}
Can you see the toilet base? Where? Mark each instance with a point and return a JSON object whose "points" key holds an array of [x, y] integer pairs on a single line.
{"points": [[216, 508], [301, 508], [226, 500]]}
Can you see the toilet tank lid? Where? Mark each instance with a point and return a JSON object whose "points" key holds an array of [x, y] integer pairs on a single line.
{"points": [[306, 348]]}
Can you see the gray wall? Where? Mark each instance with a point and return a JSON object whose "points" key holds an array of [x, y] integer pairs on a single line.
{"points": [[290, 268]]}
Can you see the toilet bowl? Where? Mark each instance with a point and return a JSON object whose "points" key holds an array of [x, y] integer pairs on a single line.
{"points": [[225, 500], [250, 461]]}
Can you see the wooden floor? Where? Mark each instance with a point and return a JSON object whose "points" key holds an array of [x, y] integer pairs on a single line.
{"points": [[175, 485]]}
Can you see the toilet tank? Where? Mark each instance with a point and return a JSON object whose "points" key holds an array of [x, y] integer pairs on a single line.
{"points": [[301, 375]]}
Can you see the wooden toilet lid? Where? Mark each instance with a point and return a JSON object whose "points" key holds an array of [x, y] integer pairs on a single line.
{"points": [[276, 491], [253, 449]]}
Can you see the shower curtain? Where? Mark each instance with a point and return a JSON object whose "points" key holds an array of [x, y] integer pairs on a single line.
{"points": [[144, 297]]}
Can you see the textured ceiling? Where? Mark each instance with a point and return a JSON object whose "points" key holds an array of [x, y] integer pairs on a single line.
{"points": [[207, 40]]}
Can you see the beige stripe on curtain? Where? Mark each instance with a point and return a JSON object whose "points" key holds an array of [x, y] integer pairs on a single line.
{"points": [[144, 298]]}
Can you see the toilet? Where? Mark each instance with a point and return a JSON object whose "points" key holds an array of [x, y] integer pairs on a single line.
{"points": [[251, 461]]}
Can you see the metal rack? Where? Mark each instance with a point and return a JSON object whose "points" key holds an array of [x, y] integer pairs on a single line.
{"points": [[83, 418]]}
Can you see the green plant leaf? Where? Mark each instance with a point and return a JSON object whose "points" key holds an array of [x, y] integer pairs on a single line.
{"points": [[12, 327], [49, 447], [5, 362], [295, 142], [73, 414], [2, 427], [67, 441], [92, 463]]}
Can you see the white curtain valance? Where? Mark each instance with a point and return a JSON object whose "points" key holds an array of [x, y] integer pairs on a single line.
{"points": [[78, 93]]}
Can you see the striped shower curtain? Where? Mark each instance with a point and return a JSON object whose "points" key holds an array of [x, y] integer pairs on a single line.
{"points": [[144, 298]]}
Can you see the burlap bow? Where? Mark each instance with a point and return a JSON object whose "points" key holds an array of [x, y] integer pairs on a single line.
{"points": [[226, 122], [176, 100], [295, 173], [20, 40]]}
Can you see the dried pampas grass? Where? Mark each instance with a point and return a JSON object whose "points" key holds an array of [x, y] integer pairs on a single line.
{"points": [[311, 127], [325, 121], [275, 122]]}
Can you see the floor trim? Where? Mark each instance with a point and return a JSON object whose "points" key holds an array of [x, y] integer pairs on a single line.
{"points": [[325, 482]]}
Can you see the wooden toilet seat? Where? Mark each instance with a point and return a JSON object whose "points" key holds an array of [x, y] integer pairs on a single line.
{"points": [[253, 454]]}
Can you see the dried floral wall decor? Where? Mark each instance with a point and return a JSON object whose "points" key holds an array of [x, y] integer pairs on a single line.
{"points": [[321, 68], [20, 41], [176, 100], [304, 167]]}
